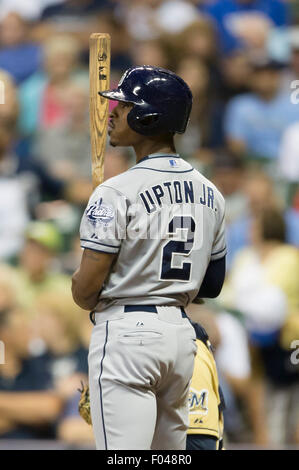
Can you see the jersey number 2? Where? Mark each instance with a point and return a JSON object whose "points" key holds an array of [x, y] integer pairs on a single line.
{"points": [[179, 247]]}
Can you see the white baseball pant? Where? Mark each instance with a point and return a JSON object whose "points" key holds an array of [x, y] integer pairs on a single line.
{"points": [[140, 367]]}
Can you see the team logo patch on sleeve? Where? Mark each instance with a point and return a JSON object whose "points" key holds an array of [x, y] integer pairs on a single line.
{"points": [[198, 401], [100, 214]]}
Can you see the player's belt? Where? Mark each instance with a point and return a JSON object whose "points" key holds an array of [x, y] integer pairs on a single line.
{"points": [[148, 308], [138, 308]]}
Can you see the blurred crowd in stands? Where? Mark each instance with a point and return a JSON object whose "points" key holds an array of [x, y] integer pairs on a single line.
{"points": [[241, 61]]}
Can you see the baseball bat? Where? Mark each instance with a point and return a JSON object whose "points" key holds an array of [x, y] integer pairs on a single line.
{"points": [[99, 80]]}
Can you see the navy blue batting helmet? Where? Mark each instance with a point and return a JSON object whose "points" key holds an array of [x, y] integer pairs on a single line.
{"points": [[162, 100]]}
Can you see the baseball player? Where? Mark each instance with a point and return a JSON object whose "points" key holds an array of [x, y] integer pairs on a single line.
{"points": [[152, 236]]}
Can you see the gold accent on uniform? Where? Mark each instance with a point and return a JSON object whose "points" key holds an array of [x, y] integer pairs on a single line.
{"points": [[204, 400]]}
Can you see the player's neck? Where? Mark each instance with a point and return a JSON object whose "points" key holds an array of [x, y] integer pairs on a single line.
{"points": [[149, 146]]}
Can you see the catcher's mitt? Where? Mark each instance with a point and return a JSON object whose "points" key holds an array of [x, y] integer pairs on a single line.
{"points": [[84, 403]]}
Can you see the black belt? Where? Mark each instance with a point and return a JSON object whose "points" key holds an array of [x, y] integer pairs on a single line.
{"points": [[148, 308], [138, 308]]}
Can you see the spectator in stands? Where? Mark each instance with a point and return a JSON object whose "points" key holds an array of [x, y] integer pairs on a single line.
{"points": [[42, 96], [18, 55], [70, 10], [255, 122], [172, 16], [13, 205], [121, 44], [260, 195], [139, 19], [73, 167], [198, 40], [7, 292], [65, 329], [235, 72], [288, 166], [148, 19], [64, 149], [71, 428], [291, 74], [30, 9], [71, 258], [150, 52], [25, 180], [58, 321], [28, 404], [263, 285], [22, 176], [9, 106], [229, 174], [36, 271], [289, 153], [246, 22], [205, 129]]}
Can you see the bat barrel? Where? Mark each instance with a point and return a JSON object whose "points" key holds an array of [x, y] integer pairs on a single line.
{"points": [[99, 78]]}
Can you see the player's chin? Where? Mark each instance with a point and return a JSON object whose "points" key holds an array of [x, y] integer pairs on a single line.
{"points": [[117, 140], [113, 142], [112, 138]]}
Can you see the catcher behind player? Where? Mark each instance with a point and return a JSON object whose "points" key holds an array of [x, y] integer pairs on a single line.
{"points": [[206, 401], [153, 240]]}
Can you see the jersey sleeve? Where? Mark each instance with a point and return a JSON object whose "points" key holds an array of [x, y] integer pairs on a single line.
{"points": [[219, 245], [103, 224]]}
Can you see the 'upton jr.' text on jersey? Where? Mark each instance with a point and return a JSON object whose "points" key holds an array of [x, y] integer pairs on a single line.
{"points": [[177, 192], [166, 223]]}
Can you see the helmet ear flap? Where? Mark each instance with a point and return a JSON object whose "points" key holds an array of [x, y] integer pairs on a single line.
{"points": [[148, 119], [144, 123]]}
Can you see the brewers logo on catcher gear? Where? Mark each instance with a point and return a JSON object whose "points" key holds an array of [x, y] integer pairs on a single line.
{"points": [[206, 402], [153, 230]]}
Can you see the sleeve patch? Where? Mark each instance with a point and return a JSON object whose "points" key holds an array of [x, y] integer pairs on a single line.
{"points": [[100, 214]]}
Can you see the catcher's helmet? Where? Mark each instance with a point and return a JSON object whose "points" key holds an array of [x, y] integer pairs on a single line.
{"points": [[162, 100]]}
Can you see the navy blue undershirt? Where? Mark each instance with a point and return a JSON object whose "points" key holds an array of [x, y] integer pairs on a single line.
{"points": [[213, 281]]}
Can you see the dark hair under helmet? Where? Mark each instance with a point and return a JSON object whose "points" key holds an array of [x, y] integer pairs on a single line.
{"points": [[162, 100]]}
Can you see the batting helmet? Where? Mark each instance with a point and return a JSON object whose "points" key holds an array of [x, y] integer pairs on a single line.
{"points": [[162, 100]]}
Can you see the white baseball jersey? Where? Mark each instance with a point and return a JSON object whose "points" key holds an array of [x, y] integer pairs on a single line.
{"points": [[165, 221]]}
